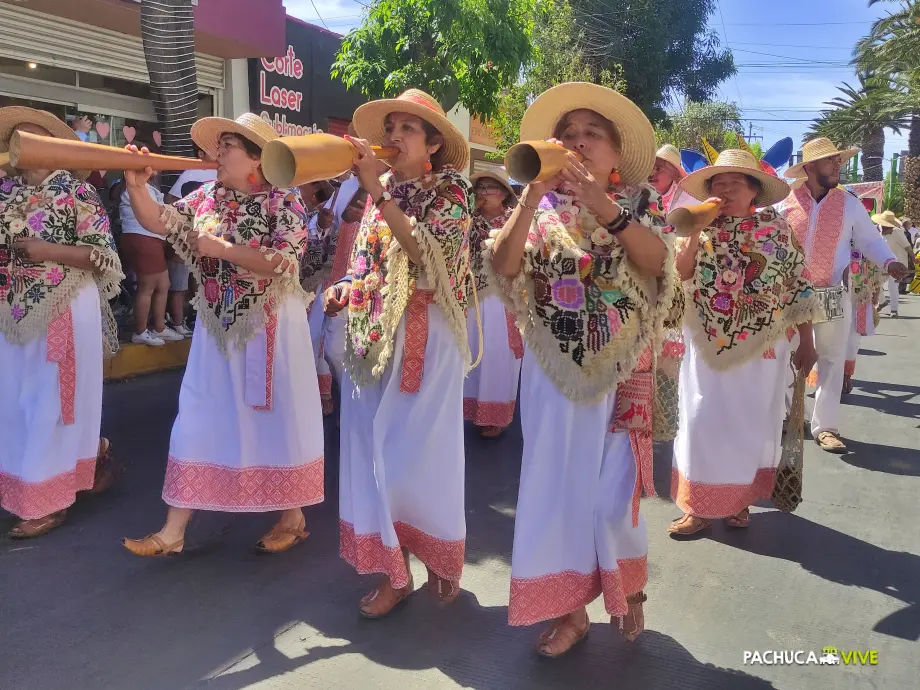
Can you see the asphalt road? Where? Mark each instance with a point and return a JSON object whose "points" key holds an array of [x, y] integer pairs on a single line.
{"points": [[77, 611]]}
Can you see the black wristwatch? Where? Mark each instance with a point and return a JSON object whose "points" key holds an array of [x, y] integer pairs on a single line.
{"points": [[618, 224]]}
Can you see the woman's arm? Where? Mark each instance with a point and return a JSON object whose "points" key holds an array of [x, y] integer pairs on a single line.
{"points": [[509, 245], [645, 249], [146, 210], [687, 250]]}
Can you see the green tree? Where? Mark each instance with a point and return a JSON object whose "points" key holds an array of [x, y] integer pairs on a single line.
{"points": [[456, 50], [859, 118], [665, 48], [558, 57], [718, 122]]}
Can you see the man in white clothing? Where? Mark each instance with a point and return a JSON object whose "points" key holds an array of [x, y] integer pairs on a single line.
{"points": [[900, 247], [826, 219]]}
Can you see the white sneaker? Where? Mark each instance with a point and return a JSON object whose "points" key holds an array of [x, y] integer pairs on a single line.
{"points": [[168, 334], [147, 338], [184, 331]]}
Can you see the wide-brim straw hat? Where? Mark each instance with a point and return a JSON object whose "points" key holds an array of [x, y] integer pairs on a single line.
{"points": [[206, 133], [886, 219], [815, 150], [772, 189], [670, 154], [637, 138], [499, 176], [370, 121], [13, 116]]}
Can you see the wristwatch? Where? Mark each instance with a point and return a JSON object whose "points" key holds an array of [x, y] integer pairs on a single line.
{"points": [[384, 198]]}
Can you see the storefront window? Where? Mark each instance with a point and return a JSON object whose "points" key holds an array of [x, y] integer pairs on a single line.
{"points": [[122, 87], [33, 70]]}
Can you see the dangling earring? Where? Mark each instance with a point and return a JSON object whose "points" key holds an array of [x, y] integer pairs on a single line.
{"points": [[253, 179], [427, 166], [615, 178], [752, 209]]}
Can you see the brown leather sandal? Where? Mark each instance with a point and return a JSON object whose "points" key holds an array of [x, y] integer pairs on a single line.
{"points": [[741, 520], [830, 442], [328, 405], [633, 623], [106, 470], [29, 529], [688, 524], [280, 539], [152, 545], [492, 431], [445, 590], [562, 634], [381, 601], [847, 385]]}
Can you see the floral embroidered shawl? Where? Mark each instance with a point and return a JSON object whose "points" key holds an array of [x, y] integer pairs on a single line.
{"points": [[233, 303], [751, 283], [61, 210], [383, 278], [326, 258], [584, 309], [479, 233]]}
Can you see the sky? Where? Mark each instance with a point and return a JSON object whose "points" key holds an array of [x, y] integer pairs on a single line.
{"points": [[809, 45]]}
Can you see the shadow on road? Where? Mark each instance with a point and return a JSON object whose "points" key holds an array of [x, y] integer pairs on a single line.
{"points": [[838, 557], [881, 458], [890, 398]]}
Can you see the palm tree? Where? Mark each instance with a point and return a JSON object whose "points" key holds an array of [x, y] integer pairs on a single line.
{"points": [[859, 118]]}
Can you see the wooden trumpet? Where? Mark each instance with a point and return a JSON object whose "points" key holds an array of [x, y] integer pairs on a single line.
{"points": [[35, 152], [536, 161], [293, 161], [688, 219]]}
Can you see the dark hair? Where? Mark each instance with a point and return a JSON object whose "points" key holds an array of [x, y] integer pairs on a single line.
{"points": [[609, 127], [190, 187], [751, 180], [252, 149], [433, 136]]}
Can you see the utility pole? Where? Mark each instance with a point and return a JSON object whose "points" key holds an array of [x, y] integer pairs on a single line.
{"points": [[893, 177]]}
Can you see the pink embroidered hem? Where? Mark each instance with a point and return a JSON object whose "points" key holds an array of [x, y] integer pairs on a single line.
{"points": [[536, 599], [849, 367], [717, 501], [204, 486], [32, 500], [367, 553], [325, 384], [483, 413]]}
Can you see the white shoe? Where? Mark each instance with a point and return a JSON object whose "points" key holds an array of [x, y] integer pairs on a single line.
{"points": [[168, 334], [184, 331], [147, 338]]}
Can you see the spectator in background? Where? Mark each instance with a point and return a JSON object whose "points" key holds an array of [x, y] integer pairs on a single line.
{"points": [[81, 127], [899, 246], [910, 229]]}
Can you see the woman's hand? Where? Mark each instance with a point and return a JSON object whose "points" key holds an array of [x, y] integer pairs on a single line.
{"points": [[138, 178], [535, 191], [205, 244], [365, 167], [335, 298], [33, 249], [591, 192]]}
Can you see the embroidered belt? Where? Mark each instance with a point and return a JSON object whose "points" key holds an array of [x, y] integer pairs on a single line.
{"points": [[413, 364], [515, 342], [830, 302]]}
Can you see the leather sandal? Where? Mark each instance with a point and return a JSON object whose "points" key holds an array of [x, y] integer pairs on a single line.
{"points": [[741, 520], [382, 600], [831, 442], [29, 529], [562, 634], [153, 545], [106, 471], [446, 591], [688, 524], [633, 623], [328, 405], [280, 539], [492, 431], [847, 385]]}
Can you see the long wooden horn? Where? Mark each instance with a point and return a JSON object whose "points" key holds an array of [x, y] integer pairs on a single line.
{"points": [[293, 161], [36, 152], [536, 161], [4, 160], [688, 219]]}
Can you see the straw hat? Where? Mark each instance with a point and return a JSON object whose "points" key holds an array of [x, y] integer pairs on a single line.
{"points": [[206, 133], [13, 116], [498, 175], [772, 189], [369, 123], [887, 219], [670, 154], [814, 150], [637, 138]]}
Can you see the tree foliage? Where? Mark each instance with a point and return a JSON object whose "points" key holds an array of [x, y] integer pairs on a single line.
{"points": [[718, 122], [558, 57], [664, 46], [456, 50]]}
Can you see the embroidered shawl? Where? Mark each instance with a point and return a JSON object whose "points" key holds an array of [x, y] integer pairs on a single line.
{"points": [[751, 283], [479, 233], [61, 210], [821, 247], [584, 309], [233, 303], [383, 278], [326, 258], [866, 279]]}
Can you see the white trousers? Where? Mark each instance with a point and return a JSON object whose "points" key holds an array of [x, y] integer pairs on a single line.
{"points": [[831, 339], [893, 295]]}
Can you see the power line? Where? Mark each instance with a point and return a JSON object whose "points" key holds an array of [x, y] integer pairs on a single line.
{"points": [[725, 36], [796, 23], [319, 15]]}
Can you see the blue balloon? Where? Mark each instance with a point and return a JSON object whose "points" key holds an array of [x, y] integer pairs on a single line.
{"points": [[779, 153]]}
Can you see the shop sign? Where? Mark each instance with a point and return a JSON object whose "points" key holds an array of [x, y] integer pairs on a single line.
{"points": [[280, 86]]}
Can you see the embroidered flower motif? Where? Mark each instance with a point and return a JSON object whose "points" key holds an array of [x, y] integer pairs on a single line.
{"points": [[567, 325], [746, 225], [568, 293], [601, 237], [723, 303], [372, 281], [17, 312], [211, 290], [542, 293], [360, 267], [55, 276]]}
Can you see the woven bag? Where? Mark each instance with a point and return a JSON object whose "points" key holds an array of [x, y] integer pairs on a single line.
{"points": [[787, 491], [667, 378]]}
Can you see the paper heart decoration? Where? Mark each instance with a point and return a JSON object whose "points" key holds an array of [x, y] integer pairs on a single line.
{"points": [[102, 128], [129, 133], [158, 139]]}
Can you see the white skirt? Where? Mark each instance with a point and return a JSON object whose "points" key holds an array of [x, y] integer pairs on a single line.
{"points": [[729, 442], [51, 411], [249, 435], [576, 535], [401, 477], [490, 390]]}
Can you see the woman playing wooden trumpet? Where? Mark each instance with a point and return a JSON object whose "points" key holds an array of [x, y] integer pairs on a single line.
{"points": [[249, 434], [585, 267], [58, 269]]}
